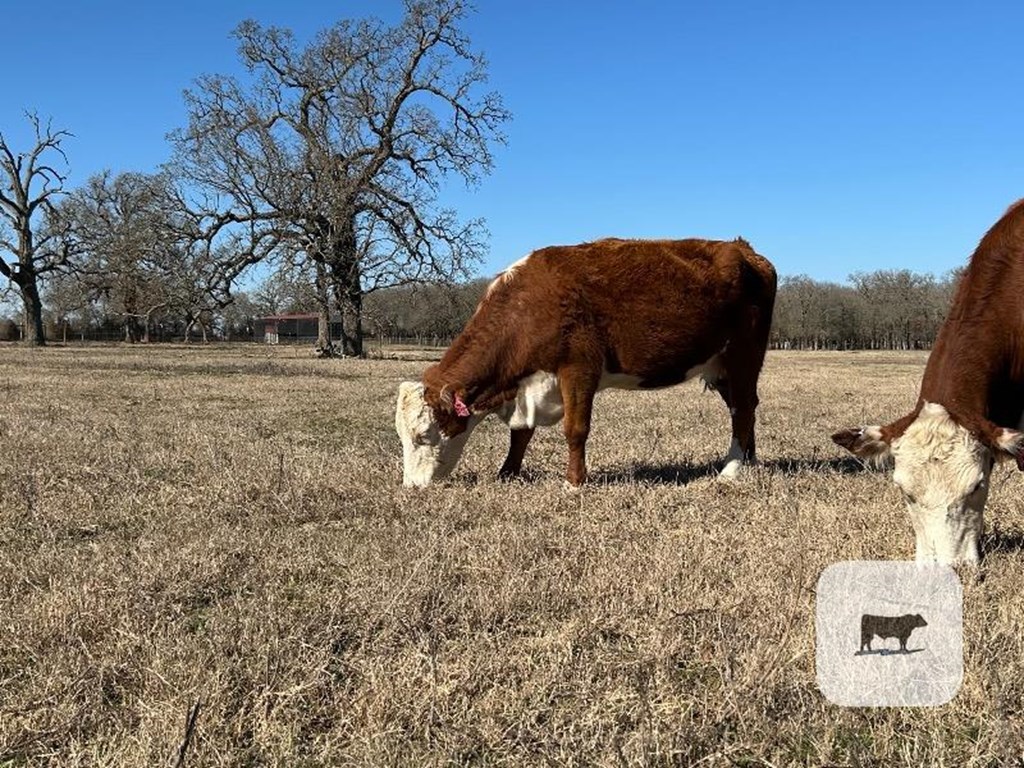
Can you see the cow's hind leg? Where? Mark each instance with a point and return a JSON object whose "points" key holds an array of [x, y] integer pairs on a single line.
{"points": [[517, 449], [734, 457], [742, 361], [578, 386], [740, 396]]}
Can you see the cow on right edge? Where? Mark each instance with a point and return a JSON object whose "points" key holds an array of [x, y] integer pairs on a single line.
{"points": [[968, 413]]}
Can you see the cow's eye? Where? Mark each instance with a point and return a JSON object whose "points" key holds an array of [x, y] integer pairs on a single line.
{"points": [[909, 497]]}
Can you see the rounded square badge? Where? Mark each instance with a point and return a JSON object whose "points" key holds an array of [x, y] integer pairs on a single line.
{"points": [[889, 634]]}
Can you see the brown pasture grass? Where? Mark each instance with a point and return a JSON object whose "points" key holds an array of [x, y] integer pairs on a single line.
{"points": [[225, 525]]}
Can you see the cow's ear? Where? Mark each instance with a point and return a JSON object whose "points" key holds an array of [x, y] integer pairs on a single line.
{"points": [[450, 400], [1009, 443], [864, 442], [446, 398]]}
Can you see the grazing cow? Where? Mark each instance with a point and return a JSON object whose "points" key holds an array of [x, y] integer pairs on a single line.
{"points": [[889, 626], [567, 321], [970, 405]]}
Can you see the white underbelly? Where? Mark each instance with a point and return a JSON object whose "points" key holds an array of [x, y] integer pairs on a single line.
{"points": [[538, 401]]}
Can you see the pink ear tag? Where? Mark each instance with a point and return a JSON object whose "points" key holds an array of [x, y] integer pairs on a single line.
{"points": [[460, 408]]}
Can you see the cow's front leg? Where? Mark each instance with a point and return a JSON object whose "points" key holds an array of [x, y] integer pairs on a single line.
{"points": [[578, 389], [516, 450]]}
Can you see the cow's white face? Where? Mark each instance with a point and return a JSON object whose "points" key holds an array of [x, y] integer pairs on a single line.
{"points": [[943, 472], [428, 453]]}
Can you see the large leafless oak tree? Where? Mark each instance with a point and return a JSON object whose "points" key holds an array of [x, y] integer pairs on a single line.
{"points": [[337, 150], [33, 242]]}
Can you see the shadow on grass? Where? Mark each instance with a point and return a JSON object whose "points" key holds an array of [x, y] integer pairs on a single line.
{"points": [[673, 473], [889, 652], [682, 473], [843, 465]]}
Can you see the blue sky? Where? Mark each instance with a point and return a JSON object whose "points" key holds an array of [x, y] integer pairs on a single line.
{"points": [[835, 137]]}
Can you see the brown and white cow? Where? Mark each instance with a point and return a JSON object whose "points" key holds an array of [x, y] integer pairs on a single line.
{"points": [[567, 321], [970, 406]]}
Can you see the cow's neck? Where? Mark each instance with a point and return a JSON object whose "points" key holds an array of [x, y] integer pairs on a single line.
{"points": [[957, 378], [475, 366], [977, 367]]}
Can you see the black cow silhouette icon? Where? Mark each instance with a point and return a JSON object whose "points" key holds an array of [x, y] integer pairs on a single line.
{"points": [[888, 626]]}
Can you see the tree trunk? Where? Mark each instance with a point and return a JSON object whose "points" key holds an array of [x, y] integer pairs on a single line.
{"points": [[352, 323], [34, 333], [324, 343], [337, 255], [346, 277]]}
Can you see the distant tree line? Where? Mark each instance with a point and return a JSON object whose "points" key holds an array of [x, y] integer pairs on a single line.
{"points": [[885, 309]]}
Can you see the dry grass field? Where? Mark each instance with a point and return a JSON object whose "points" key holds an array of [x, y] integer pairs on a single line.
{"points": [[226, 525]]}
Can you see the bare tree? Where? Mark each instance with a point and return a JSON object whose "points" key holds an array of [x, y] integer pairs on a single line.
{"points": [[68, 303], [37, 244], [431, 313], [337, 150], [143, 253], [125, 226]]}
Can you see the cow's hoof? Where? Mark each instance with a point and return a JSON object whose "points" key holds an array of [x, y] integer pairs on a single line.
{"points": [[568, 487], [730, 473], [733, 468]]}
